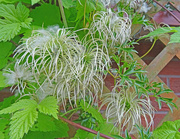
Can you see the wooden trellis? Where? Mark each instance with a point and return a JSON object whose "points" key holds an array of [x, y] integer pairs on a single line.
{"points": [[160, 61]]}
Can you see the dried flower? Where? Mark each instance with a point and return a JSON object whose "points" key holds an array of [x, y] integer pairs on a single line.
{"points": [[111, 28], [58, 60], [19, 77], [125, 109]]}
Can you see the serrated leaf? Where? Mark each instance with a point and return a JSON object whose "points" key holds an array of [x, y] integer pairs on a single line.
{"points": [[49, 106], [23, 120], [44, 123], [168, 130], [34, 1], [13, 20], [20, 105], [46, 15], [94, 112], [9, 31]]}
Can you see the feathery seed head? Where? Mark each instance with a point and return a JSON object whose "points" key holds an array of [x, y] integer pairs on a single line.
{"points": [[125, 109], [19, 77], [58, 60], [111, 28]]}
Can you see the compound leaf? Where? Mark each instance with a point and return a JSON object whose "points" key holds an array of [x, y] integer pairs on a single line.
{"points": [[49, 106], [23, 120], [20, 105], [9, 31], [13, 19], [168, 130]]}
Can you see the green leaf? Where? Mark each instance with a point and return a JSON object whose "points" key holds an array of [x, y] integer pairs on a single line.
{"points": [[34, 1], [13, 20], [24, 119], [86, 6], [168, 130], [61, 129], [1, 135], [22, 104], [49, 106], [5, 51], [4, 123], [81, 134], [108, 129], [14, 1], [44, 123], [175, 37], [9, 31], [68, 3], [95, 113], [5, 48], [2, 80], [46, 15], [159, 31], [8, 102]]}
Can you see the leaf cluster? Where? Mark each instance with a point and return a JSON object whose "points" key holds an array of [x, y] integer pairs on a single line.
{"points": [[25, 114]]}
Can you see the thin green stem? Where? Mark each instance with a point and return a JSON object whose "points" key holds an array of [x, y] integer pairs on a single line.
{"points": [[85, 14], [62, 13], [149, 49], [111, 74]]}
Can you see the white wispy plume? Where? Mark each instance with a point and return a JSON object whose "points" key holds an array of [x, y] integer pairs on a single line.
{"points": [[59, 60], [125, 109], [19, 78], [111, 28]]}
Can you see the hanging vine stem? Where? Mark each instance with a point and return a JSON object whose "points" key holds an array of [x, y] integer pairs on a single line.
{"points": [[62, 13], [84, 128]]}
